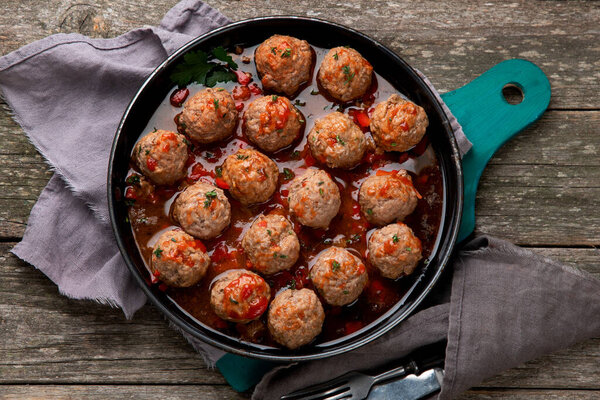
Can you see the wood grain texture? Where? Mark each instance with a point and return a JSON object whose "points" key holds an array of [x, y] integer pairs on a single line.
{"points": [[51, 339], [541, 189]]}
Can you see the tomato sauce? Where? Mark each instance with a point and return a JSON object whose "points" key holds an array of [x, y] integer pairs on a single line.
{"points": [[149, 214]]}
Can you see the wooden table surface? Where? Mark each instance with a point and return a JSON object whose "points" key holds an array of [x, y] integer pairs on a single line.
{"points": [[540, 191]]}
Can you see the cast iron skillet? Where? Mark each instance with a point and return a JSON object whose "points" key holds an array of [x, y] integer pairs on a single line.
{"points": [[319, 33]]}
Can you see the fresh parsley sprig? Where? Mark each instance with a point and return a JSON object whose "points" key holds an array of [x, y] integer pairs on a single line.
{"points": [[205, 69]]}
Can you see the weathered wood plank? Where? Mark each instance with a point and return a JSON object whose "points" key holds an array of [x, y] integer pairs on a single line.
{"points": [[49, 338], [431, 35], [95, 392], [536, 394]]}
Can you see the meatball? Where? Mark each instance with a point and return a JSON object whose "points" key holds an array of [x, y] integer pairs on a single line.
{"points": [[251, 176], [239, 295], [161, 156], [178, 259], [314, 198], [284, 63], [202, 210], [271, 244], [272, 122], [209, 115], [339, 276], [295, 317], [387, 196], [335, 140], [394, 250], [345, 74], [398, 124]]}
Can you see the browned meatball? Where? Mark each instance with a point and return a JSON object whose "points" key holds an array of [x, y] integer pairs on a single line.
{"points": [[178, 259], [239, 295], [202, 210], [387, 196], [271, 244], [209, 115], [398, 124], [284, 63], [161, 156], [339, 276], [335, 140], [345, 74], [394, 250], [295, 317], [314, 198], [272, 122], [251, 176]]}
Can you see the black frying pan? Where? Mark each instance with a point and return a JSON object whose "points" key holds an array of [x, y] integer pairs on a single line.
{"points": [[319, 33]]}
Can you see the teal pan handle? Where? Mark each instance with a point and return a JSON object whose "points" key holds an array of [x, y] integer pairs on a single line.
{"points": [[489, 121]]}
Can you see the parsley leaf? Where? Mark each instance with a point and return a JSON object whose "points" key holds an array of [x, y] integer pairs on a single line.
{"points": [[198, 67], [221, 54], [288, 174], [219, 74], [335, 266], [158, 252], [194, 68], [395, 238]]}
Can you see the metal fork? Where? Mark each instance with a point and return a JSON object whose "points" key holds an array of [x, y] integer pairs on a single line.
{"points": [[353, 385]]}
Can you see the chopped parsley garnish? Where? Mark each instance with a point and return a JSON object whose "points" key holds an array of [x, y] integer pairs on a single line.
{"points": [[209, 198], [335, 56], [370, 211], [395, 238], [282, 256], [299, 103], [147, 152], [274, 98], [335, 266], [321, 192], [349, 75], [154, 130], [295, 155], [133, 179], [394, 144], [216, 103], [205, 69], [279, 130], [158, 252], [314, 92], [269, 232], [234, 301], [327, 241], [208, 154], [288, 174], [219, 171], [346, 292], [292, 284], [274, 50], [286, 53], [173, 240], [301, 121], [242, 156], [408, 249], [220, 89], [340, 140], [353, 239], [129, 202], [142, 220]]}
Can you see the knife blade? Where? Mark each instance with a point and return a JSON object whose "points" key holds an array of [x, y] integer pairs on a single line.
{"points": [[411, 387]]}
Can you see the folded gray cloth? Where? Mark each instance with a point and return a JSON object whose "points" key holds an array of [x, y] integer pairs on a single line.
{"points": [[70, 113], [507, 305]]}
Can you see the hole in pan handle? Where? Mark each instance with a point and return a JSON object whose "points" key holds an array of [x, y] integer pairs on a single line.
{"points": [[489, 120]]}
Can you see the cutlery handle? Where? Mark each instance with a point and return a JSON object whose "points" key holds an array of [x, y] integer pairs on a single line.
{"points": [[397, 372]]}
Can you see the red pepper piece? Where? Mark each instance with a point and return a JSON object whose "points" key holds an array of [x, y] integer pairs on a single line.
{"points": [[178, 97]]}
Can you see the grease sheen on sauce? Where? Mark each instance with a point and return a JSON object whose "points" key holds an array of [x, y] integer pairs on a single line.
{"points": [[348, 229]]}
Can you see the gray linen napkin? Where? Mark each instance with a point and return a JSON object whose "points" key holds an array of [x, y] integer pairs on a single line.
{"points": [[70, 113], [507, 305]]}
